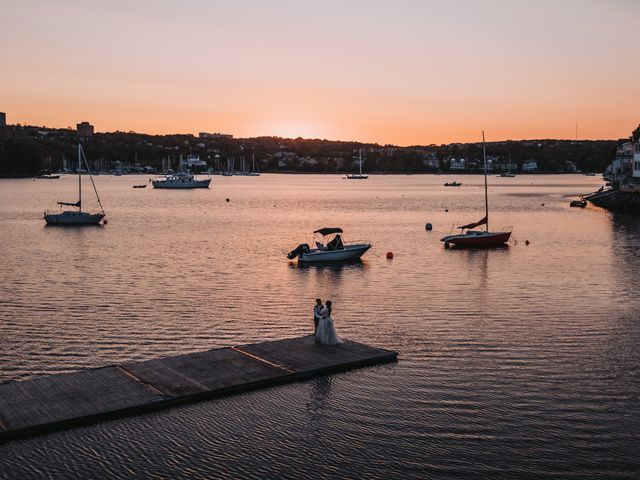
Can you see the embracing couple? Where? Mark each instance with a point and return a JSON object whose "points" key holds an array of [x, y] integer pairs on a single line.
{"points": [[324, 332]]}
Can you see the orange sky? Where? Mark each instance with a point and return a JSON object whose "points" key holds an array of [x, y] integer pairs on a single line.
{"points": [[403, 72]]}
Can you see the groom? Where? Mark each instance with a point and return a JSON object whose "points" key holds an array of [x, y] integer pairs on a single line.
{"points": [[316, 314]]}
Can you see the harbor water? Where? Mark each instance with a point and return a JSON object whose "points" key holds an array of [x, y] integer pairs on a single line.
{"points": [[520, 362]]}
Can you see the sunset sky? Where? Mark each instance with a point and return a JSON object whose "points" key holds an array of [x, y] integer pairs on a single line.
{"points": [[401, 72]]}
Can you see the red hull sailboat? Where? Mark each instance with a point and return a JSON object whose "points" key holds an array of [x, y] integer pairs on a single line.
{"points": [[479, 238]]}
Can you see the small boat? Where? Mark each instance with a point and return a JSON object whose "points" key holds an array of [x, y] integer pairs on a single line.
{"points": [[77, 217], [478, 238], [578, 203], [46, 174], [329, 247], [181, 180], [140, 186], [452, 184], [358, 176], [507, 175], [589, 174]]}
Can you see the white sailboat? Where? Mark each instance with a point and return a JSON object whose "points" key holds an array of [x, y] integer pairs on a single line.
{"points": [[77, 217], [508, 173], [358, 176], [255, 171]]}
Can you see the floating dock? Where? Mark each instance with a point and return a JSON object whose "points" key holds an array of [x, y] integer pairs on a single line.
{"points": [[61, 401]]}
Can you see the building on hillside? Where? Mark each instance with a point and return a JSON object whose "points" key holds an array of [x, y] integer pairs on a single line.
{"points": [[636, 160], [530, 166], [431, 161], [85, 130], [192, 162], [624, 171], [457, 164]]}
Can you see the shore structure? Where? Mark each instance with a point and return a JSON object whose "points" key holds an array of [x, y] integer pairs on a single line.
{"points": [[623, 178], [62, 401]]}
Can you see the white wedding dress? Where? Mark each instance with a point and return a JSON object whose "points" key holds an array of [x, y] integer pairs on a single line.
{"points": [[326, 333]]}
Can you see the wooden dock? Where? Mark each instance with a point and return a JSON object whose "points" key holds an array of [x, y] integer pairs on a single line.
{"points": [[62, 401]]}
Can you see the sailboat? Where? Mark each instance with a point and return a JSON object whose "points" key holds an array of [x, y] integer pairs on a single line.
{"points": [[508, 173], [479, 238], [48, 175], [359, 176], [77, 217], [255, 171]]}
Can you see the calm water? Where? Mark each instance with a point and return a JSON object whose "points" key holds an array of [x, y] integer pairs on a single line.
{"points": [[518, 362]]}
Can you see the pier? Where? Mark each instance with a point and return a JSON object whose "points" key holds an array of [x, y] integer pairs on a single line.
{"points": [[62, 401]]}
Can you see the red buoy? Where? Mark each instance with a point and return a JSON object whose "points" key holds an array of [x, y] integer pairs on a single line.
{"points": [[104, 222], [389, 255]]}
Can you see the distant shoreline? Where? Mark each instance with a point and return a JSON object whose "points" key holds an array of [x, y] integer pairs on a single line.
{"points": [[292, 172]]}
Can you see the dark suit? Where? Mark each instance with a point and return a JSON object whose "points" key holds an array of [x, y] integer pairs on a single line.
{"points": [[316, 317]]}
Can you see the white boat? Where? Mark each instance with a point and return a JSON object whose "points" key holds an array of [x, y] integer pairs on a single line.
{"points": [[508, 173], [77, 217], [180, 180], [255, 171], [478, 238], [358, 176], [329, 247]]}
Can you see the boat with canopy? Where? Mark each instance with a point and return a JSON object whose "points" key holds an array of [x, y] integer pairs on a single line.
{"points": [[329, 247]]}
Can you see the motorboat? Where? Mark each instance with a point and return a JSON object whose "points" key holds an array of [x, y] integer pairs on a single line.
{"points": [[578, 203], [48, 176], [507, 175], [469, 238], [452, 184], [181, 180], [329, 247], [77, 217]]}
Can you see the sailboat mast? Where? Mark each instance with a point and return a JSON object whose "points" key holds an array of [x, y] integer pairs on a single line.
{"points": [[79, 179], [486, 194]]}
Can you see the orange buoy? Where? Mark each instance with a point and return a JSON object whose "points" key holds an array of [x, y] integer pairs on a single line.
{"points": [[389, 255]]}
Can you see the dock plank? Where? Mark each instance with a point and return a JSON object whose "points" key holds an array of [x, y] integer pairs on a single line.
{"points": [[61, 401], [306, 357], [59, 398], [203, 372]]}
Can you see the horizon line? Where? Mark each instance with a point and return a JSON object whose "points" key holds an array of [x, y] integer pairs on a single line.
{"points": [[332, 140]]}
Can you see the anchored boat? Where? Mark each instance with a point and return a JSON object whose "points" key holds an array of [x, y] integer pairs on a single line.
{"points": [[329, 247], [478, 238], [358, 176], [181, 180], [77, 217]]}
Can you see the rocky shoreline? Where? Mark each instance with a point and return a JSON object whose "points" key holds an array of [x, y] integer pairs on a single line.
{"points": [[616, 201]]}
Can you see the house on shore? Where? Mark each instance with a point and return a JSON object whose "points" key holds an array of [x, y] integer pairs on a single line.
{"points": [[624, 172]]}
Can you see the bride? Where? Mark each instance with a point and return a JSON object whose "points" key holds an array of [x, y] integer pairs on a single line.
{"points": [[326, 333]]}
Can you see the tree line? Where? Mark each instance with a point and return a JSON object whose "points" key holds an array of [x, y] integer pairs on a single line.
{"points": [[28, 150]]}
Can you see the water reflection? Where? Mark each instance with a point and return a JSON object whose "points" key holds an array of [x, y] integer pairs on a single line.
{"points": [[320, 394], [337, 266]]}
